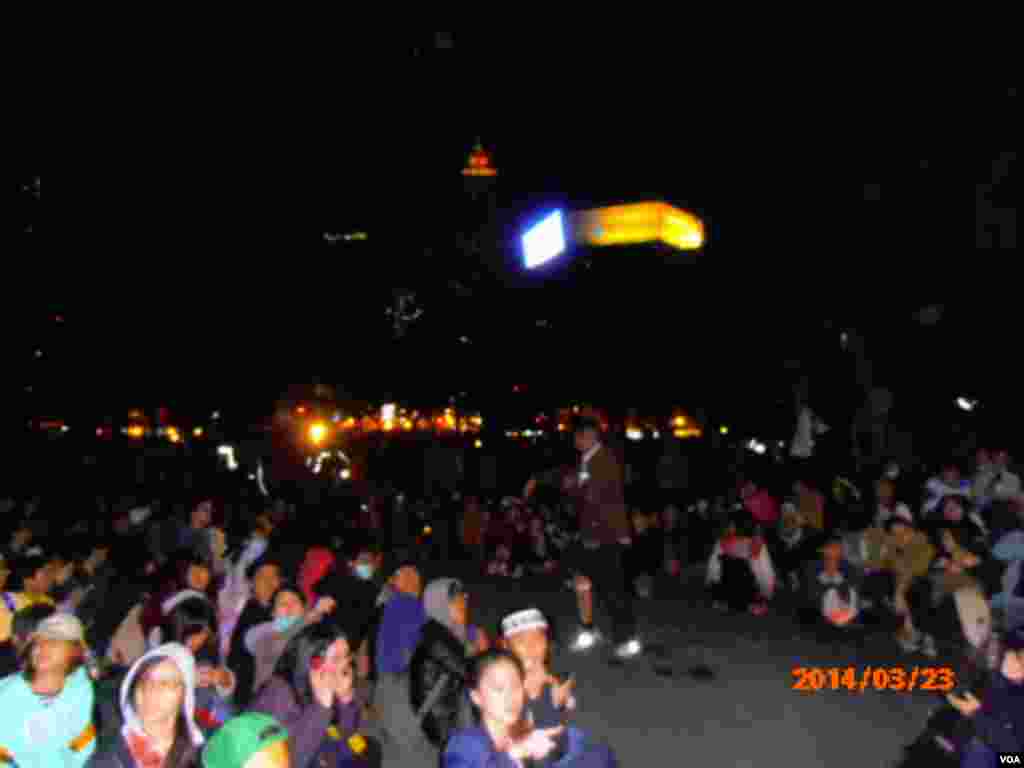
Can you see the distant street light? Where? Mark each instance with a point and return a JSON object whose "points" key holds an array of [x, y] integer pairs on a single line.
{"points": [[966, 405]]}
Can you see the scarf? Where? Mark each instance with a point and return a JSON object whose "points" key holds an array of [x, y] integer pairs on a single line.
{"points": [[142, 750]]}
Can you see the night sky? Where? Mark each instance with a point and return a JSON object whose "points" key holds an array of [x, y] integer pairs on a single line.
{"points": [[186, 253]]}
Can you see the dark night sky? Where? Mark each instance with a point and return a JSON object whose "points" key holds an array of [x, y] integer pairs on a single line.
{"points": [[189, 260]]}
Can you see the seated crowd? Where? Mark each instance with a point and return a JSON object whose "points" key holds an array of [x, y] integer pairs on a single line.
{"points": [[172, 644]]}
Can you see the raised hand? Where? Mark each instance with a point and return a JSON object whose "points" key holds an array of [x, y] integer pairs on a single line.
{"points": [[324, 687], [538, 745], [323, 606], [561, 693]]}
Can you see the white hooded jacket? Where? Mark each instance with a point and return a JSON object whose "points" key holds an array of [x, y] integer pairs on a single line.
{"points": [[183, 659]]}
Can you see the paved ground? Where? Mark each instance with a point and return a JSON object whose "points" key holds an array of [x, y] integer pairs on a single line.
{"points": [[747, 714]]}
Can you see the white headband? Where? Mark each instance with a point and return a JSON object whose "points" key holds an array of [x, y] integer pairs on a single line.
{"points": [[523, 621]]}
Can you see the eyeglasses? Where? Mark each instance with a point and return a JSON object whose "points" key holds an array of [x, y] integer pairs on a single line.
{"points": [[162, 684]]}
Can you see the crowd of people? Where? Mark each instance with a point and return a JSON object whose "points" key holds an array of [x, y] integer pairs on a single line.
{"points": [[245, 639], [158, 642]]}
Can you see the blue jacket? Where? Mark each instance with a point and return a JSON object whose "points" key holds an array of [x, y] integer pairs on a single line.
{"points": [[473, 748], [41, 736]]}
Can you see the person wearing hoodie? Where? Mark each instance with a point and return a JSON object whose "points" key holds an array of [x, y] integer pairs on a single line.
{"points": [[48, 708], [193, 624], [439, 667], [187, 575], [266, 642], [313, 688], [157, 728], [998, 718], [252, 740]]}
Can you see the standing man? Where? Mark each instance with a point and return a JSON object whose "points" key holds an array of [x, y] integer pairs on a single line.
{"points": [[597, 488]]}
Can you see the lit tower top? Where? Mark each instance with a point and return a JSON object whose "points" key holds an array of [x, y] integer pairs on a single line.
{"points": [[480, 164]]}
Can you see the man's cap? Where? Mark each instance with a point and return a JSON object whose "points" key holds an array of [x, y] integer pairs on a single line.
{"points": [[240, 738], [523, 621], [61, 626]]}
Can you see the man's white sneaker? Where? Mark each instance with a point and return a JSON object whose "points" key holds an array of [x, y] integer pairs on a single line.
{"points": [[629, 650], [585, 640]]}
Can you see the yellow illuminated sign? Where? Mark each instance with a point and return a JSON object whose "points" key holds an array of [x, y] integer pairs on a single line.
{"points": [[639, 223]]}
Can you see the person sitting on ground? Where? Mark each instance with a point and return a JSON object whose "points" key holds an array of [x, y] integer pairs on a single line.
{"points": [[402, 620], [740, 572], [236, 591], [957, 512], [548, 699], [997, 719], [157, 724], [811, 503], [252, 740], [48, 707], [761, 505], [947, 483], [504, 738], [312, 689], [832, 593], [95, 576], [184, 575], [266, 642], [193, 624], [887, 504], [32, 577], [438, 670], [950, 605], [1009, 550], [905, 556], [26, 622], [264, 574], [797, 545], [355, 586]]}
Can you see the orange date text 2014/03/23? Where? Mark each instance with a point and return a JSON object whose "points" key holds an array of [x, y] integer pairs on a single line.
{"points": [[855, 680]]}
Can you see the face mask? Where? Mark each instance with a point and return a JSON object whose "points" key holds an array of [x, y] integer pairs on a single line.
{"points": [[284, 623], [364, 571]]}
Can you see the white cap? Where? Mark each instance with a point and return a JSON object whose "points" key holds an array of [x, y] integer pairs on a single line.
{"points": [[523, 621]]}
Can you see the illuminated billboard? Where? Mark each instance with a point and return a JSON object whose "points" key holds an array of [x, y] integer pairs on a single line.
{"points": [[545, 240], [637, 224]]}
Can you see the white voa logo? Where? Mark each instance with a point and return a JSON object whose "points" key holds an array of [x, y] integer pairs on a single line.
{"points": [[1010, 760]]}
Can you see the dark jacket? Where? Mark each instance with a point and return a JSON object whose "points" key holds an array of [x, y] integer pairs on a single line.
{"points": [[356, 599], [474, 748], [601, 502], [439, 654], [240, 661], [113, 752]]}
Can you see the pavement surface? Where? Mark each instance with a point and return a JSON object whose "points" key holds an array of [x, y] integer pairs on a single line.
{"points": [[663, 710]]}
